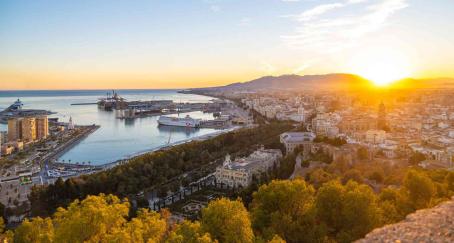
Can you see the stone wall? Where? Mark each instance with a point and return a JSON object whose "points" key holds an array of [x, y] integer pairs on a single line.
{"points": [[427, 225]]}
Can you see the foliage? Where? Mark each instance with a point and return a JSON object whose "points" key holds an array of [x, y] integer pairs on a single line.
{"points": [[189, 232], [419, 189], [227, 221], [354, 175], [349, 211], [416, 158], [285, 208], [5, 236], [37, 230], [362, 153], [281, 211], [337, 141]]}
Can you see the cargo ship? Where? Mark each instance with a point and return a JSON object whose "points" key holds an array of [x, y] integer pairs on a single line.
{"points": [[178, 121]]}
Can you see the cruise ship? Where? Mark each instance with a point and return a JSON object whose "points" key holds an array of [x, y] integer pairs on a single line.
{"points": [[180, 122]]}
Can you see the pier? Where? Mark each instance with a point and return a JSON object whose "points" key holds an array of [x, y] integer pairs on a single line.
{"points": [[61, 149], [88, 103]]}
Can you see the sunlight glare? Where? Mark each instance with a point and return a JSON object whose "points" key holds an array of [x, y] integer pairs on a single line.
{"points": [[382, 67]]}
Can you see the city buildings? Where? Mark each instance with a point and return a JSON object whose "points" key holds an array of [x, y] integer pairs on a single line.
{"points": [[239, 173], [375, 136], [292, 140], [28, 129], [42, 127], [14, 129]]}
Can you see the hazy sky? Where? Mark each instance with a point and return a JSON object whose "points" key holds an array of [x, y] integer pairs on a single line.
{"points": [[175, 44]]}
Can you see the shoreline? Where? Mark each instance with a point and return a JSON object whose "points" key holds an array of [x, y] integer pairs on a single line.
{"points": [[71, 143], [127, 158]]}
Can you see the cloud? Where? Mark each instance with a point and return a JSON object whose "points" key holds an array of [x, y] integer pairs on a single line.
{"points": [[245, 21], [214, 5], [318, 10], [267, 68], [215, 8], [301, 68], [343, 27]]}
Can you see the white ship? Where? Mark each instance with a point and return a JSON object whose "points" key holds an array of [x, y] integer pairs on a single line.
{"points": [[180, 122]]}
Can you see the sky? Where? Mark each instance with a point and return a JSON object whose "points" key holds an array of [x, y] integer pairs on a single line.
{"points": [[114, 44]]}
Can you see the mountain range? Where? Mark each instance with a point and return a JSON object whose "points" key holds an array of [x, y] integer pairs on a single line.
{"points": [[330, 81]]}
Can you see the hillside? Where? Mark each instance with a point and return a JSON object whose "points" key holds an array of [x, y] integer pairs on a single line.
{"points": [[339, 81], [293, 81], [426, 225]]}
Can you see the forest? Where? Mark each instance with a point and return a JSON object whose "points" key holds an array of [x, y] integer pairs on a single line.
{"points": [[280, 211]]}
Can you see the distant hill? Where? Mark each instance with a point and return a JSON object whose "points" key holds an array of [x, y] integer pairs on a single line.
{"points": [[425, 83], [293, 81], [329, 81]]}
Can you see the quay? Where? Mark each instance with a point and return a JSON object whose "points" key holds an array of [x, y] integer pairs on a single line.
{"points": [[87, 130], [87, 103]]}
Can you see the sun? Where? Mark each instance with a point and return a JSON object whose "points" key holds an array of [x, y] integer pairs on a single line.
{"points": [[382, 67]]}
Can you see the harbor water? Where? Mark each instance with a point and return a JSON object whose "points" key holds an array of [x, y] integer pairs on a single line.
{"points": [[117, 138]]}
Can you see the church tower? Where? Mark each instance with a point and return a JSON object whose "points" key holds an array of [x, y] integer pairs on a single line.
{"points": [[381, 119]]}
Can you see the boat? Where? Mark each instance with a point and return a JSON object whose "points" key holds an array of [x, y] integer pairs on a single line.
{"points": [[16, 106], [178, 121]]}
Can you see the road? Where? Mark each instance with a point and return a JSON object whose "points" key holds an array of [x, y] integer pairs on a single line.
{"points": [[297, 167]]}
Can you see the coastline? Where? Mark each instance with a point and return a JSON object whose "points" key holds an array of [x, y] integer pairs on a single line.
{"points": [[125, 159], [204, 137], [70, 144]]}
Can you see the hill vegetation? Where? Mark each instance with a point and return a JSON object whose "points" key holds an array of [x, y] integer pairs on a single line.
{"points": [[281, 211]]}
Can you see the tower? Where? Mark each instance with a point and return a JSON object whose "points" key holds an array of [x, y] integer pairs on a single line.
{"points": [[42, 127], [14, 129], [71, 124], [381, 119], [227, 161], [29, 129]]}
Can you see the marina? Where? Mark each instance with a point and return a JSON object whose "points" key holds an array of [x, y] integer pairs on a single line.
{"points": [[130, 109], [116, 139]]}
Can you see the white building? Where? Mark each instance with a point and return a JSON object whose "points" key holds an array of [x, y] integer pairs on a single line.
{"points": [[239, 173], [325, 124], [71, 124], [291, 140]]}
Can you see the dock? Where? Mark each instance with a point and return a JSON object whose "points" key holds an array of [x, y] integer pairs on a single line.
{"points": [[88, 103]]}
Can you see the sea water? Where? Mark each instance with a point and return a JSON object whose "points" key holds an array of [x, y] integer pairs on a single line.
{"points": [[116, 138]]}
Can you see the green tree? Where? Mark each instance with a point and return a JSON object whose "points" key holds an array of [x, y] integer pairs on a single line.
{"points": [[148, 226], [329, 204], [377, 176], [419, 188], [286, 208], [349, 211], [360, 212], [189, 232], [449, 180], [416, 158], [37, 230], [5, 236], [362, 153], [227, 221], [320, 176], [93, 218], [354, 175]]}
